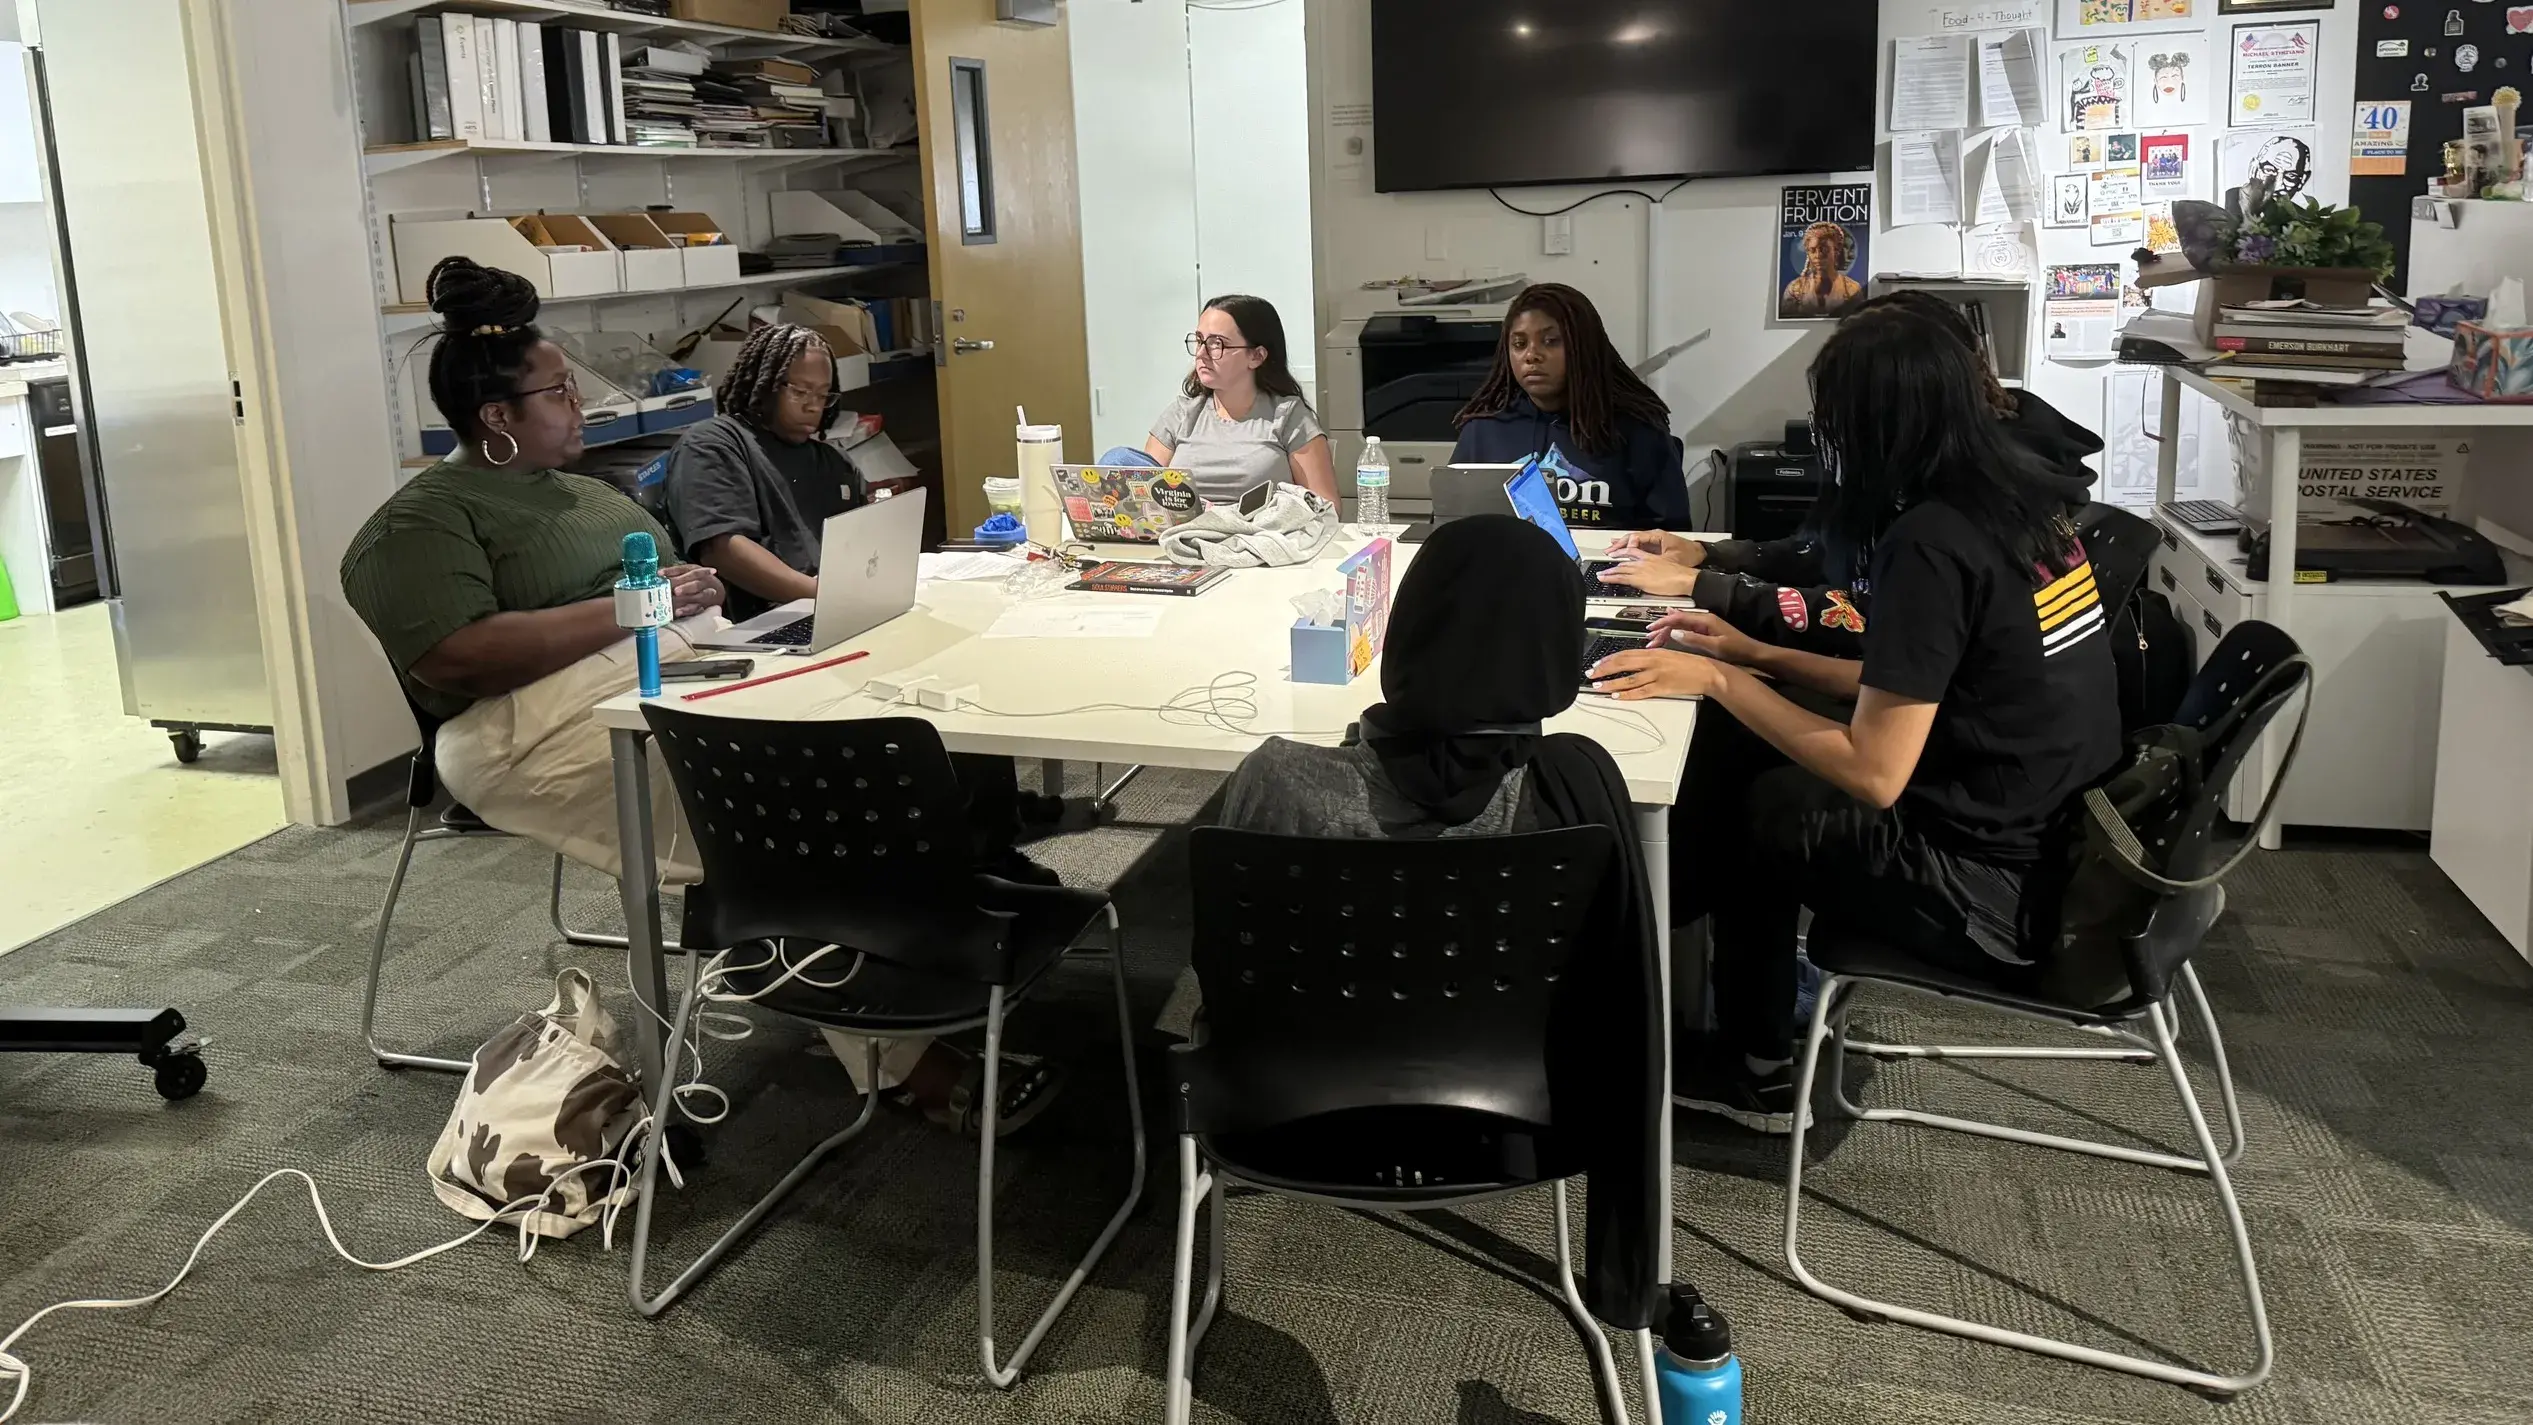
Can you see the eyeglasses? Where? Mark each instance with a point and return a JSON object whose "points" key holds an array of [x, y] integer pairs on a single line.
{"points": [[1199, 344], [569, 387], [808, 395]]}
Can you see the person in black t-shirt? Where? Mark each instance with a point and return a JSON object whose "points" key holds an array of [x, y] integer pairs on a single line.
{"points": [[1984, 702]]}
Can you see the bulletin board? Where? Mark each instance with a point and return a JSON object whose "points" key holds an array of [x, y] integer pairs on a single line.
{"points": [[2440, 57]]}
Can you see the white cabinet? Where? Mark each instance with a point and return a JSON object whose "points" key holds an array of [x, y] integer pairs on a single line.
{"points": [[2483, 833], [2378, 651]]}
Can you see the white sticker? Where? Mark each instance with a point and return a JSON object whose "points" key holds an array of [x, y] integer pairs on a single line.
{"points": [[651, 607], [2392, 49], [2466, 56]]}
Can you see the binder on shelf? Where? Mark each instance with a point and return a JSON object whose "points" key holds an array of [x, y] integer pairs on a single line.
{"points": [[487, 77], [563, 112], [534, 108], [591, 88], [614, 70], [506, 53], [433, 83], [421, 106], [466, 91]]}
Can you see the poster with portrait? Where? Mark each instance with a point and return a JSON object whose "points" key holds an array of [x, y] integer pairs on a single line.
{"points": [[2173, 79], [1823, 230], [2093, 86], [2083, 19], [2283, 156], [2272, 76]]}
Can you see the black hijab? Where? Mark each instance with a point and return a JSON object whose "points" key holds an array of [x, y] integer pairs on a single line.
{"points": [[1485, 642]]}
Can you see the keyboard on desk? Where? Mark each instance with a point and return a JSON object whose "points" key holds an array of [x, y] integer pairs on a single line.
{"points": [[1605, 644], [795, 634], [2205, 516]]}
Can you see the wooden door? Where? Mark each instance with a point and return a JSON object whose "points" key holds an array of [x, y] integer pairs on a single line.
{"points": [[1000, 200]]}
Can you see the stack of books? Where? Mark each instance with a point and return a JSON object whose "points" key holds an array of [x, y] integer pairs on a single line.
{"points": [[659, 96], [782, 96], [2306, 343]]}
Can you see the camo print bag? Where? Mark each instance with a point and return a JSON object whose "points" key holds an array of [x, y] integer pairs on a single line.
{"points": [[539, 1116]]}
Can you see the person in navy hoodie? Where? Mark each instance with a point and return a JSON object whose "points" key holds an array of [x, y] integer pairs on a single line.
{"points": [[1558, 382]]}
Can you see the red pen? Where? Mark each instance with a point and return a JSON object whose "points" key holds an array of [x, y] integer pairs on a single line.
{"points": [[772, 677]]}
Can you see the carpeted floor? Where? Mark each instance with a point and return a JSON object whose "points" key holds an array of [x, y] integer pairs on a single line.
{"points": [[2382, 1036]]}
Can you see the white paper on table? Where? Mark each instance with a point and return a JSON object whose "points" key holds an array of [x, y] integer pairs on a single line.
{"points": [[1925, 178], [1930, 83], [966, 565], [1065, 617], [2009, 79]]}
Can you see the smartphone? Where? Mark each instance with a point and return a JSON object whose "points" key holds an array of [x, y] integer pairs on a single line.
{"points": [[704, 669], [1609, 623], [1256, 499]]}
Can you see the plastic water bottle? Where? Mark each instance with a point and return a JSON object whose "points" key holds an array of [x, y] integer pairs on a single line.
{"points": [[1372, 489], [644, 604], [1696, 1370]]}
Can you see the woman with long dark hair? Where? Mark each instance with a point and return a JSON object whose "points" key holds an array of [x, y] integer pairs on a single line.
{"points": [[1241, 419], [1984, 702], [1558, 383]]}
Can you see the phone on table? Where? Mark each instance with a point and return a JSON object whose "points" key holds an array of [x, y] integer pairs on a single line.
{"points": [[705, 669], [1256, 498]]}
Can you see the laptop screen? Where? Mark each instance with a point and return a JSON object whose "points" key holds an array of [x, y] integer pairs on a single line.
{"points": [[1535, 502]]}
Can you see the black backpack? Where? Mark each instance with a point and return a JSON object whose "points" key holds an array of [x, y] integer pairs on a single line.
{"points": [[2152, 650]]}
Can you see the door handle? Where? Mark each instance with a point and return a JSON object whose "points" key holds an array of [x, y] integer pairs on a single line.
{"points": [[961, 343]]}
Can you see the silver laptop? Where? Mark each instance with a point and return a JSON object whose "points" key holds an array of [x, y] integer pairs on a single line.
{"points": [[866, 576], [1460, 491]]}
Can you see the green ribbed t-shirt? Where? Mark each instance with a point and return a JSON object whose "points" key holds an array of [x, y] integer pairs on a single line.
{"points": [[458, 544]]}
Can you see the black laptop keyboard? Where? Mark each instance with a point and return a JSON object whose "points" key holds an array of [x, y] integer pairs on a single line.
{"points": [[791, 635], [1605, 644]]}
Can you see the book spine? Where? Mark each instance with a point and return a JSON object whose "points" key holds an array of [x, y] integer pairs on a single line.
{"points": [[534, 107], [466, 90], [2306, 346], [1104, 587], [614, 69], [487, 78], [591, 88], [421, 106], [435, 80]]}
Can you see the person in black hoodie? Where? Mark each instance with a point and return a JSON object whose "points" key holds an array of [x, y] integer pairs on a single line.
{"points": [[1802, 593], [1558, 382]]}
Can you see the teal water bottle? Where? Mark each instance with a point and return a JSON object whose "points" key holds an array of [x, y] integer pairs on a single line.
{"points": [[644, 604], [1696, 1370]]}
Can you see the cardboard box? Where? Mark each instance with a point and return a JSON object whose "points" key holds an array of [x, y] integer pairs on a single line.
{"points": [[848, 327], [707, 264], [510, 244], [650, 261], [745, 14], [2231, 286]]}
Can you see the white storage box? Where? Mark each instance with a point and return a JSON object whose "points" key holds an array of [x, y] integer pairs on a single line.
{"points": [[511, 244], [651, 262], [707, 263], [799, 214]]}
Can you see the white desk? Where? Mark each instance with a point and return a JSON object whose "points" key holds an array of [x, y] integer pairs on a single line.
{"points": [[1239, 626], [2280, 430]]}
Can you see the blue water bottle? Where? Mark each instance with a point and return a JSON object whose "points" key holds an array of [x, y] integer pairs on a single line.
{"points": [[1696, 1370], [643, 604]]}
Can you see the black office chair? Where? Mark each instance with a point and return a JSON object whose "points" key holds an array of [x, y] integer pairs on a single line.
{"points": [[455, 822], [853, 834], [2165, 869], [1375, 1035]]}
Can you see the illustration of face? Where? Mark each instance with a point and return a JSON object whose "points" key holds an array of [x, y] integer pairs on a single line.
{"points": [[2172, 77], [2286, 163]]}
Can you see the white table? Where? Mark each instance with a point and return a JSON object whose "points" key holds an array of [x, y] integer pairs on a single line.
{"points": [[2280, 430], [1240, 626]]}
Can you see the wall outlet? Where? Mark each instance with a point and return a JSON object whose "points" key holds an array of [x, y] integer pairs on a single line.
{"points": [[1556, 235]]}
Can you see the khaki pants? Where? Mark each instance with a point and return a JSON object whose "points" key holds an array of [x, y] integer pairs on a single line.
{"points": [[534, 763]]}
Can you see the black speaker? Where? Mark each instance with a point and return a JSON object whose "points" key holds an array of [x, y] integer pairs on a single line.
{"points": [[1774, 487]]}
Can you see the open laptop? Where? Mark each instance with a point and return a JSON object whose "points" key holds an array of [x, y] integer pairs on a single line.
{"points": [[1532, 499], [866, 576], [1460, 491]]}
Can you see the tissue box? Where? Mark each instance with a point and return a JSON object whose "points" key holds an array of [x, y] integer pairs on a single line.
{"points": [[1327, 653], [2495, 364]]}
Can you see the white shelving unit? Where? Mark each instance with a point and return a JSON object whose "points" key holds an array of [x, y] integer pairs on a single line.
{"points": [[500, 177]]}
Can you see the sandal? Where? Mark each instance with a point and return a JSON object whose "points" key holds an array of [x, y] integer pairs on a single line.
{"points": [[1028, 1085]]}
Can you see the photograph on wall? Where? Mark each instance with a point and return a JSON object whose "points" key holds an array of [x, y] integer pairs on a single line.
{"points": [[2115, 207], [2284, 157], [2081, 19], [2066, 200], [2163, 165], [2173, 76], [1823, 231], [2271, 81], [2093, 86], [2080, 310]]}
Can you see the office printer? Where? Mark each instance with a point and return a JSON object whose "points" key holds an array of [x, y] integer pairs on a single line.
{"points": [[1771, 485], [2393, 541], [1399, 363]]}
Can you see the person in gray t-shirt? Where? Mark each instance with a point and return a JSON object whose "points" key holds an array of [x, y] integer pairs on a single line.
{"points": [[1241, 418]]}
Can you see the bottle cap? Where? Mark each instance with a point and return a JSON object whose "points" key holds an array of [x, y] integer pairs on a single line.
{"points": [[641, 556], [1693, 1330]]}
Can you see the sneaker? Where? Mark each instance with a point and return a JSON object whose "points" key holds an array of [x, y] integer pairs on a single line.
{"points": [[1723, 1084]]}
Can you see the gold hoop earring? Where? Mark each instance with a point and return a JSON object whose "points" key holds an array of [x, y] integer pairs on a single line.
{"points": [[505, 460]]}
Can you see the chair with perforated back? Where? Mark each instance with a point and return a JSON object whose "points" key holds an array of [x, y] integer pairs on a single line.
{"points": [[1376, 1035], [454, 822], [2167, 867], [851, 838]]}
